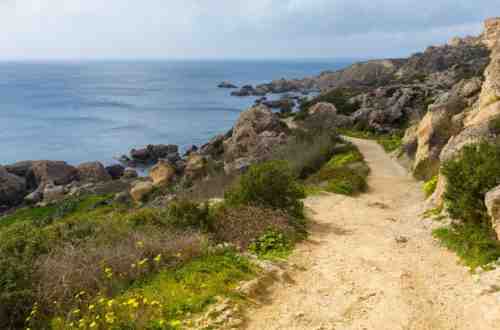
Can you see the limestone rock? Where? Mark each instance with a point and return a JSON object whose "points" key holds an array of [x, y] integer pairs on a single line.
{"points": [[20, 168], [130, 173], [12, 188], [492, 201], [140, 190], [162, 173], [323, 108], [196, 167], [47, 171], [53, 193], [93, 172]]}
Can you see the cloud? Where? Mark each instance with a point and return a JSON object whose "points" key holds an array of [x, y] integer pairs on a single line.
{"points": [[231, 28]]}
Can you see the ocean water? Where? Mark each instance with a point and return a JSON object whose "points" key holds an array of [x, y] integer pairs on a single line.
{"points": [[85, 111]]}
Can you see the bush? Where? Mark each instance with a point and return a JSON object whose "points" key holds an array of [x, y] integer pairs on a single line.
{"points": [[469, 177], [430, 186], [185, 214], [242, 225], [272, 243], [346, 181], [472, 243], [271, 184]]}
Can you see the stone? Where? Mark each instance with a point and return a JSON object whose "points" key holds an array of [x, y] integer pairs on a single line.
{"points": [[492, 201], [162, 173], [93, 172], [227, 84], [34, 197], [43, 172], [115, 171], [12, 188], [130, 173], [214, 148], [323, 108], [196, 167], [140, 190], [20, 168], [122, 197], [53, 193]]}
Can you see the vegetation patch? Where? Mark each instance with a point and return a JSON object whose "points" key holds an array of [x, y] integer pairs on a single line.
{"points": [[471, 242], [164, 300], [390, 142], [430, 186], [339, 97], [271, 245]]}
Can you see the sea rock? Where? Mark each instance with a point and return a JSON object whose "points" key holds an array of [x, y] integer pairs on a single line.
{"points": [[196, 167], [492, 201], [20, 168], [246, 90], [162, 173], [93, 172], [255, 135], [130, 173], [226, 84], [140, 190], [43, 172], [12, 188], [285, 104], [191, 150], [152, 153], [115, 171]]}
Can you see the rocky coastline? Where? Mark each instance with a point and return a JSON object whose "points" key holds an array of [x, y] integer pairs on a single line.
{"points": [[440, 99]]}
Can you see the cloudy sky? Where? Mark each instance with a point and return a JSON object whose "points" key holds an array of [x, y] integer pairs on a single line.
{"points": [[97, 29]]}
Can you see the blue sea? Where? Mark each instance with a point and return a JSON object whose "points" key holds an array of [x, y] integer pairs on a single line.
{"points": [[85, 111]]}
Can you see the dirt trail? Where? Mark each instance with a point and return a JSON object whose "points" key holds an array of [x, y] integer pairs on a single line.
{"points": [[357, 272]]}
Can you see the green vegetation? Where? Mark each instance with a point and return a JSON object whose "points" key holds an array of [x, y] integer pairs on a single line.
{"points": [[469, 177], [270, 185], [162, 301], [471, 242], [430, 186], [272, 244], [345, 173]]}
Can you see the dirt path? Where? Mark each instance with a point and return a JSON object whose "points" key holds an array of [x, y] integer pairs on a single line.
{"points": [[357, 272]]}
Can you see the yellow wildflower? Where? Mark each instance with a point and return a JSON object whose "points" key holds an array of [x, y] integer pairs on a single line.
{"points": [[161, 322], [91, 307], [110, 317], [93, 325], [133, 303], [140, 244], [158, 258], [143, 261], [101, 300], [111, 302], [175, 323], [145, 301], [76, 311]]}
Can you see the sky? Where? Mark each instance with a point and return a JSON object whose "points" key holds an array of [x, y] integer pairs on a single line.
{"points": [[233, 29]]}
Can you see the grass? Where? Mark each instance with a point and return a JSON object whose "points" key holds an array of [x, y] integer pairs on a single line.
{"points": [[430, 186], [471, 242], [164, 300], [390, 142]]}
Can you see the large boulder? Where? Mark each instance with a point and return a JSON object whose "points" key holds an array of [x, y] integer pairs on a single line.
{"points": [[433, 132], [255, 135], [196, 167], [43, 172], [115, 171], [492, 201], [12, 188], [53, 193], [140, 190], [93, 172], [162, 173], [323, 108]]}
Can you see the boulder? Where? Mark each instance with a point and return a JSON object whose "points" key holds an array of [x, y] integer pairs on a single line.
{"points": [[255, 135], [196, 167], [130, 173], [20, 168], [43, 172], [35, 197], [153, 152], [226, 84], [323, 108], [492, 201], [115, 171], [53, 193], [93, 172], [140, 190], [12, 188], [162, 173], [433, 133]]}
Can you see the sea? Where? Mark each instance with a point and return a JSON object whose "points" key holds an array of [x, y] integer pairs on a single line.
{"points": [[97, 110]]}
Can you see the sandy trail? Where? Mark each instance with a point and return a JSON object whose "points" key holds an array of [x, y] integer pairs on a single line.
{"points": [[356, 272]]}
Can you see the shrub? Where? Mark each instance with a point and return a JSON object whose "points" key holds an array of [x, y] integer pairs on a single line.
{"points": [[307, 151], [272, 243], [185, 214], [469, 177], [430, 186], [472, 243], [271, 184], [346, 181], [242, 225]]}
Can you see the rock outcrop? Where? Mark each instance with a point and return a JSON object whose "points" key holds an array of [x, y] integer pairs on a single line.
{"points": [[151, 154], [227, 84], [492, 201], [140, 190], [162, 173], [93, 172], [253, 138], [43, 172], [12, 188]]}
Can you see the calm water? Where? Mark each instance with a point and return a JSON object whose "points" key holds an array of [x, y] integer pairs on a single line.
{"points": [[97, 110]]}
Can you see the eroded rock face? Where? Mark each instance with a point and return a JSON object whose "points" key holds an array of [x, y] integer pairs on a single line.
{"points": [[254, 136], [140, 190], [492, 201], [93, 172], [162, 173], [43, 172], [115, 171], [12, 188], [196, 167]]}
